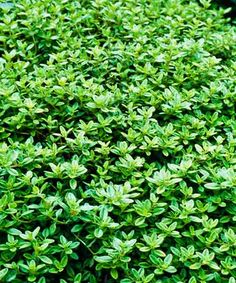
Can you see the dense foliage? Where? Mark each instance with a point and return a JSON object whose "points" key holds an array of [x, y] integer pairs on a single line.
{"points": [[118, 137]]}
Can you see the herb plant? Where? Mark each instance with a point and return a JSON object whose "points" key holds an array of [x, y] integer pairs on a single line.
{"points": [[117, 142]]}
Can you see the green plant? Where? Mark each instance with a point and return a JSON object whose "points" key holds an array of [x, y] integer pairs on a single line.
{"points": [[117, 142]]}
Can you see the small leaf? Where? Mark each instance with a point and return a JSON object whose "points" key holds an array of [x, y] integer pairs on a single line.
{"points": [[196, 265], [12, 172], [103, 259], [73, 184], [212, 186], [78, 278], [168, 259], [192, 280], [3, 273], [45, 259], [98, 233], [14, 232], [171, 269], [214, 265], [114, 274]]}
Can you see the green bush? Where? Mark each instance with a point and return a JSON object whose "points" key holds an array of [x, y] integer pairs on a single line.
{"points": [[118, 137]]}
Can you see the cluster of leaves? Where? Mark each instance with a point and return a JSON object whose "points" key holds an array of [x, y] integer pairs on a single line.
{"points": [[117, 142], [228, 4]]}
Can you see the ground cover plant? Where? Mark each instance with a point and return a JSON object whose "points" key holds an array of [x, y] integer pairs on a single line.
{"points": [[117, 142]]}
